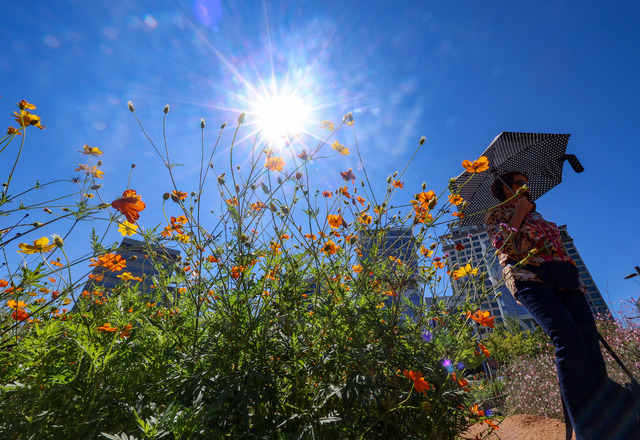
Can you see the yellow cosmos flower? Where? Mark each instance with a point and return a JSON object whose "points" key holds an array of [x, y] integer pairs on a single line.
{"points": [[464, 271], [41, 245], [15, 305], [24, 118], [340, 148], [90, 171], [23, 104], [128, 276], [274, 163], [91, 151], [125, 228], [477, 166], [327, 125]]}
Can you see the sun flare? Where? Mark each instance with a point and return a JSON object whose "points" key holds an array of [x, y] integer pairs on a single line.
{"points": [[281, 116]]}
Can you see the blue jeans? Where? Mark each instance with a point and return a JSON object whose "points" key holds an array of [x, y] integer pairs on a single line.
{"points": [[599, 408]]}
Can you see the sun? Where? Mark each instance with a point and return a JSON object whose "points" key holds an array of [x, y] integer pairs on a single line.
{"points": [[281, 116]]}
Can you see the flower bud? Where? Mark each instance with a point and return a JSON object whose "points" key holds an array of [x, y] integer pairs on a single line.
{"points": [[202, 124], [221, 179], [166, 196], [58, 241], [95, 187], [422, 140], [285, 209], [166, 109], [99, 163], [241, 118], [223, 126], [130, 105], [424, 186], [66, 210], [48, 211], [298, 175], [37, 224], [133, 165]]}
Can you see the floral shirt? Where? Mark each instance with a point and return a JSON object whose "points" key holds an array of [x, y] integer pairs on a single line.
{"points": [[514, 245]]}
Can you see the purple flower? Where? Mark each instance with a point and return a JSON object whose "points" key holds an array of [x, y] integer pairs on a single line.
{"points": [[469, 235], [488, 412], [460, 366], [446, 363], [427, 336]]}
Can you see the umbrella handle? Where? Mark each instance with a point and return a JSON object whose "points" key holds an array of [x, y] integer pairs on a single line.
{"points": [[574, 162]]}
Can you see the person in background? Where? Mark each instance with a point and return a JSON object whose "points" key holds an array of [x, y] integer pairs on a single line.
{"points": [[544, 279]]}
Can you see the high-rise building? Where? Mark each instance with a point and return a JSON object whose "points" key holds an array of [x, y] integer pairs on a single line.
{"points": [[142, 262], [391, 245], [471, 244]]}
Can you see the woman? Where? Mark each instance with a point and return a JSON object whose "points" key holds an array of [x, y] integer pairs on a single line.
{"points": [[543, 278]]}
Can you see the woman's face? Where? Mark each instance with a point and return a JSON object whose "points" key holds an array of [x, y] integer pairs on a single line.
{"points": [[518, 181]]}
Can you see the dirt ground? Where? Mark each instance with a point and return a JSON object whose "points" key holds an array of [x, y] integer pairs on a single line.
{"points": [[522, 427]]}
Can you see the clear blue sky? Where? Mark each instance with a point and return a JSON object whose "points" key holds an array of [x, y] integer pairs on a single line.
{"points": [[458, 73]]}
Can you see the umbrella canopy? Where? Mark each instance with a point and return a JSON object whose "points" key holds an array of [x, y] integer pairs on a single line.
{"points": [[539, 155]]}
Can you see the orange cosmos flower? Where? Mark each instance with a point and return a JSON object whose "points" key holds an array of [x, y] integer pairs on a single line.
{"points": [[110, 261], [4, 283], [421, 213], [330, 248], [427, 199], [12, 131], [106, 328], [20, 315], [455, 199], [458, 214], [178, 195], [364, 218], [303, 155], [361, 200], [482, 349], [419, 383], [357, 268], [130, 204], [236, 271], [477, 166], [311, 236], [257, 206], [212, 259], [56, 263], [483, 318], [274, 163], [327, 194], [438, 264], [345, 192], [397, 184], [348, 175], [335, 221], [126, 331]]}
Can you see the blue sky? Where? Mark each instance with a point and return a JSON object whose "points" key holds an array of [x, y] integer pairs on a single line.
{"points": [[458, 73]]}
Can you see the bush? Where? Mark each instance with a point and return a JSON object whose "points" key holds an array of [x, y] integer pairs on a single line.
{"points": [[291, 318], [531, 378]]}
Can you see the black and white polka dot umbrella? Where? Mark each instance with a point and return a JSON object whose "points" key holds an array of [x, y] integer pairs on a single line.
{"points": [[539, 155]]}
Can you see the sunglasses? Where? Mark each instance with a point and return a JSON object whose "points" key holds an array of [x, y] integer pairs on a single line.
{"points": [[520, 183]]}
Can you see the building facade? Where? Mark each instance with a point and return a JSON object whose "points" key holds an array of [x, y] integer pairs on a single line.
{"points": [[142, 262]]}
